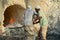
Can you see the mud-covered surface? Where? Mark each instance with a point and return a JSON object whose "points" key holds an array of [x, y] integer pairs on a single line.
{"points": [[49, 37], [53, 37], [18, 34]]}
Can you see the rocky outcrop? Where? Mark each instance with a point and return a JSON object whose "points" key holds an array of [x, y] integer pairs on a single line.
{"points": [[51, 8]]}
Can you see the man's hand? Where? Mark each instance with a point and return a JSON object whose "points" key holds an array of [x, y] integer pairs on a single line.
{"points": [[35, 21]]}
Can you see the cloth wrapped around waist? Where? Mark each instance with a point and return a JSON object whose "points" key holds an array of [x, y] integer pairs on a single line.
{"points": [[32, 29]]}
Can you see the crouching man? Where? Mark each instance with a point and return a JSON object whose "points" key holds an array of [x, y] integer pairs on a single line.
{"points": [[43, 24]]}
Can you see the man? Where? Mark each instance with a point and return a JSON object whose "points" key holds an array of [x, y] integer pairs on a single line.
{"points": [[43, 23], [28, 22]]}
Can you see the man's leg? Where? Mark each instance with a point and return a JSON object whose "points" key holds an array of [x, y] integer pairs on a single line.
{"points": [[30, 37], [37, 30], [30, 33], [43, 32]]}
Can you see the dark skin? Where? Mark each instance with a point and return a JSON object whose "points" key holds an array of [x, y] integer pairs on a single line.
{"points": [[37, 10], [36, 17]]}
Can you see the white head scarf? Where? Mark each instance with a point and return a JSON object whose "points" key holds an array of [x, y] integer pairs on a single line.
{"points": [[37, 7], [29, 7]]}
